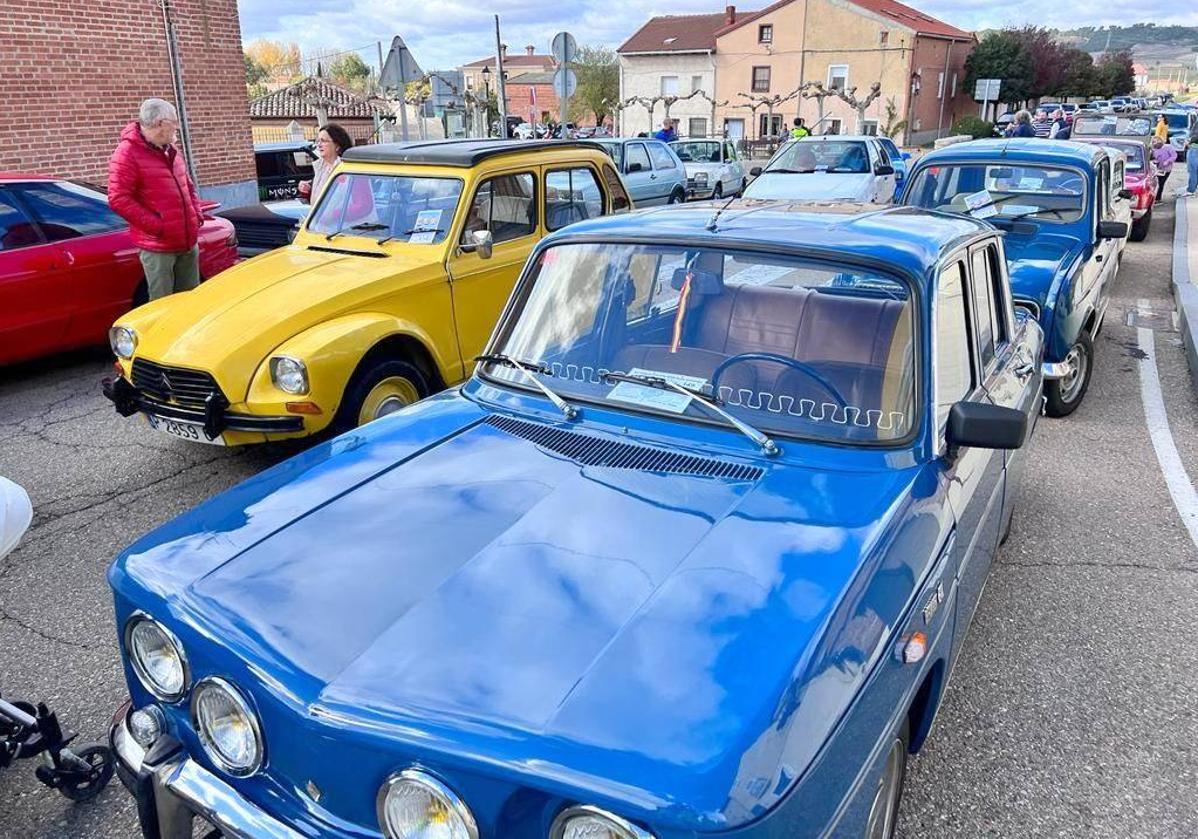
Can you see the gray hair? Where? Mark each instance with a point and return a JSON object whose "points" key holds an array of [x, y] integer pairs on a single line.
{"points": [[1023, 116], [153, 110]]}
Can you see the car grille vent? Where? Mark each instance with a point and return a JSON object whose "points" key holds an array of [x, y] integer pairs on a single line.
{"points": [[174, 385], [596, 451]]}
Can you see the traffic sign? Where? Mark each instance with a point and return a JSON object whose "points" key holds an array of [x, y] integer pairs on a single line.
{"points": [[565, 82], [565, 48], [399, 68], [987, 90]]}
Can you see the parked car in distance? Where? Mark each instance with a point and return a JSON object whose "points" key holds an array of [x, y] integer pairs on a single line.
{"points": [[388, 292], [826, 168], [1183, 125], [282, 167], [898, 159], [650, 168], [1002, 122], [760, 642], [264, 227], [713, 168], [68, 266], [1052, 200], [1067, 108], [1133, 182]]}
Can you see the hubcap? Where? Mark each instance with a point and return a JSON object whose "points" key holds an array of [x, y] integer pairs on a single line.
{"points": [[884, 812], [387, 397], [1077, 362]]}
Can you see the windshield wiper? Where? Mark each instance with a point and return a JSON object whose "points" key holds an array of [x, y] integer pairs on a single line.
{"points": [[767, 445], [784, 171], [367, 225], [529, 370]]}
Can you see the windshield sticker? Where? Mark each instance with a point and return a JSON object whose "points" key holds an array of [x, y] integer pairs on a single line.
{"points": [[651, 397], [980, 204], [1019, 210], [426, 227]]}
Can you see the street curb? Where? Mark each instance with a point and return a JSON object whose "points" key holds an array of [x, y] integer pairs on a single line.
{"points": [[1185, 293]]}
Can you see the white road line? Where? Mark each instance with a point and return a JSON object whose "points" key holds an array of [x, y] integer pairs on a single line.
{"points": [[1185, 499]]}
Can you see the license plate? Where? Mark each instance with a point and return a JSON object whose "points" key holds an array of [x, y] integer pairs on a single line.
{"points": [[182, 430]]}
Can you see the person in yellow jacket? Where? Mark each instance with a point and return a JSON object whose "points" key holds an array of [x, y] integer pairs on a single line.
{"points": [[1162, 129], [799, 130]]}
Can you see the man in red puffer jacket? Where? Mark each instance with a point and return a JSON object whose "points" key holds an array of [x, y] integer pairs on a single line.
{"points": [[148, 186]]}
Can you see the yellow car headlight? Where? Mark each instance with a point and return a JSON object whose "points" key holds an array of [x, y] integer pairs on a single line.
{"points": [[123, 341], [289, 375]]}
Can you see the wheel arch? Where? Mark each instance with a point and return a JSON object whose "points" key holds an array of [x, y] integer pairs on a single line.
{"points": [[922, 711]]}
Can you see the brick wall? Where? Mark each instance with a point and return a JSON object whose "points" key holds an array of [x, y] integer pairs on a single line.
{"points": [[73, 72]]}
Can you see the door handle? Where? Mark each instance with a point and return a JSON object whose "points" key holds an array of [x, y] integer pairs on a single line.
{"points": [[1098, 257], [1024, 369]]}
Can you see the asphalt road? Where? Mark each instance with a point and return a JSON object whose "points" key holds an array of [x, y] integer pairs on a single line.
{"points": [[1072, 712]]}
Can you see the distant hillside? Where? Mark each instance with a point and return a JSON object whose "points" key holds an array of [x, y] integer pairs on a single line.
{"points": [[1147, 41]]}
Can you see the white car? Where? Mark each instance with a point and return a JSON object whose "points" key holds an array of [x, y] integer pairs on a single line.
{"points": [[713, 168], [827, 168], [15, 514]]}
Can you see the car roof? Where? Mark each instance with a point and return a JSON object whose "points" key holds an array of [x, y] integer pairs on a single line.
{"points": [[819, 138], [911, 238], [292, 145], [463, 153], [25, 176], [1063, 152]]}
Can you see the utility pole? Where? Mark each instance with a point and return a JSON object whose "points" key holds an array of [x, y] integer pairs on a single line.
{"points": [[172, 53], [500, 87]]}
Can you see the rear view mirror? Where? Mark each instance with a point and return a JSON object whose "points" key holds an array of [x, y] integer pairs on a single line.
{"points": [[906, 155], [755, 171], [1112, 229], [635, 167], [985, 426], [883, 170], [1002, 173]]}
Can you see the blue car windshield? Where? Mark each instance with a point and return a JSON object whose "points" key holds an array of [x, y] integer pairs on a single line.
{"points": [[792, 346], [999, 191], [416, 210]]}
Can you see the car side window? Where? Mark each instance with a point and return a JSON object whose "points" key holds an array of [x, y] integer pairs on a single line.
{"points": [[662, 159], [1104, 189], [1117, 179], [984, 310], [506, 205], [954, 365], [65, 210], [729, 152], [620, 202], [883, 155], [635, 153], [571, 195], [16, 231]]}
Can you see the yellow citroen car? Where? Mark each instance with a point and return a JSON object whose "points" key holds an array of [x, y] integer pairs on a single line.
{"points": [[386, 295]]}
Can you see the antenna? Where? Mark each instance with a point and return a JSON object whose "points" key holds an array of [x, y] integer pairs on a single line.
{"points": [[713, 224]]}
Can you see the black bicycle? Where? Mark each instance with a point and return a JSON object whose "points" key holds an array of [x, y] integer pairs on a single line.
{"points": [[28, 730]]}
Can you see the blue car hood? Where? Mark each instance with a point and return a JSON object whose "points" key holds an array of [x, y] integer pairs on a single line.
{"points": [[1035, 261], [611, 628]]}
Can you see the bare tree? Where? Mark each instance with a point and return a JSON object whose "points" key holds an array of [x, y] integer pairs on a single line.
{"points": [[850, 97]]}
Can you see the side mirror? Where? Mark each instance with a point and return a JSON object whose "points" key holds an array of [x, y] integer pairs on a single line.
{"points": [[1112, 229], [1125, 193], [755, 171], [882, 169], [905, 155], [985, 426], [635, 167], [481, 242]]}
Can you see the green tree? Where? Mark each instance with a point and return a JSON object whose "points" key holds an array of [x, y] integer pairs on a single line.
{"points": [[1048, 66], [255, 78], [1078, 78], [1002, 55], [1114, 75], [351, 71], [598, 73]]}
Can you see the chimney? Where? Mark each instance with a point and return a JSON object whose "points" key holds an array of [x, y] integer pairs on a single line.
{"points": [[503, 50], [730, 14], [530, 50]]}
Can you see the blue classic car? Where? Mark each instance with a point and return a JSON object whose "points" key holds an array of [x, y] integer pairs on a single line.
{"points": [[692, 553], [1063, 240]]}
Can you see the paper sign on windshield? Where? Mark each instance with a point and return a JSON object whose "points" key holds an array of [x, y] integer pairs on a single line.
{"points": [[425, 230], [980, 204], [650, 397]]}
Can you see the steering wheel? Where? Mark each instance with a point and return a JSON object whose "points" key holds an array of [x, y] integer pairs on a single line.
{"points": [[803, 368]]}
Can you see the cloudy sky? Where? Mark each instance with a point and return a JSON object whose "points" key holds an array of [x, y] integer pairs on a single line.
{"points": [[446, 33]]}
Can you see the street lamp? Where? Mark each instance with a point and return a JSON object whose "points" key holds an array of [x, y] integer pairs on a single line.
{"points": [[487, 101]]}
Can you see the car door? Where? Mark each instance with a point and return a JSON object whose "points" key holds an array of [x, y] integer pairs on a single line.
{"points": [[508, 205], [100, 264], [638, 175], [735, 170], [883, 184], [1120, 205], [964, 362], [669, 175], [34, 298]]}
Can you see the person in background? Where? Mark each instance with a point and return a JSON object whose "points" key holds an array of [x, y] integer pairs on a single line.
{"points": [[148, 186], [331, 142], [1161, 131], [1164, 156], [800, 130], [1059, 124], [1041, 125], [667, 133], [1021, 126], [1191, 166]]}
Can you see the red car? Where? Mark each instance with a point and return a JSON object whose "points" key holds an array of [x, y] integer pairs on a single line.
{"points": [[68, 268]]}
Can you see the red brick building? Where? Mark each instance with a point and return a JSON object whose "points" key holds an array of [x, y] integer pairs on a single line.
{"points": [[73, 72]]}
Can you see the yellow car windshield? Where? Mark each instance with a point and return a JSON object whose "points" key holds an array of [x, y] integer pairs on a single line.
{"points": [[416, 210]]}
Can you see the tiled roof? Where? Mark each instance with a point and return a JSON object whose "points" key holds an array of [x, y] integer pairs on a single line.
{"points": [[681, 33], [294, 102], [516, 60], [545, 77], [912, 18]]}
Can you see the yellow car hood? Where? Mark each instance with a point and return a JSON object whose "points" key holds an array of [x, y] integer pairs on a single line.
{"points": [[230, 324]]}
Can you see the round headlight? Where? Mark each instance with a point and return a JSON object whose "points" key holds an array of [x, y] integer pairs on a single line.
{"points": [[227, 726], [415, 805], [156, 657], [123, 341], [592, 823], [289, 374]]}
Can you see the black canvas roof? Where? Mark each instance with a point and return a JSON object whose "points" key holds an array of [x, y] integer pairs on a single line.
{"points": [[465, 153]]}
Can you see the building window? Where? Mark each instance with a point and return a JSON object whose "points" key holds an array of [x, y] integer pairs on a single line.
{"points": [[940, 85], [870, 128], [883, 37], [761, 79], [833, 126], [696, 83], [765, 33], [669, 85], [954, 88], [838, 76], [696, 127]]}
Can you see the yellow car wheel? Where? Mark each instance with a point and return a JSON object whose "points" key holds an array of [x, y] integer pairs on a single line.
{"points": [[378, 389]]}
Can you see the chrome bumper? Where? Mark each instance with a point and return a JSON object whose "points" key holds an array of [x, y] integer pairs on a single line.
{"points": [[172, 789], [1054, 370]]}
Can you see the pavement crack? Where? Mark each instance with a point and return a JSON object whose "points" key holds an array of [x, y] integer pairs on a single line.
{"points": [[1143, 566], [53, 639]]}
